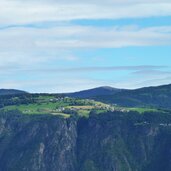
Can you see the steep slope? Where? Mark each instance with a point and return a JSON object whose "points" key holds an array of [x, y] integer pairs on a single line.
{"points": [[125, 142], [108, 142], [37, 143], [95, 92]]}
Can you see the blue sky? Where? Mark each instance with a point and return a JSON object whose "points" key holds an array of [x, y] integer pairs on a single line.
{"points": [[64, 46]]}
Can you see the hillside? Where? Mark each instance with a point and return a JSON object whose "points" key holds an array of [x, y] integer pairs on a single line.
{"points": [[11, 92], [159, 96], [95, 92]]}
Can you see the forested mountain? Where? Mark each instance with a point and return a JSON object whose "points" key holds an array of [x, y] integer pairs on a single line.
{"points": [[159, 96], [95, 92]]}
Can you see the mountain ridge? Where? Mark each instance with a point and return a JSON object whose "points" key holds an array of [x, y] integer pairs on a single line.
{"points": [[11, 92], [103, 90], [107, 88], [153, 96]]}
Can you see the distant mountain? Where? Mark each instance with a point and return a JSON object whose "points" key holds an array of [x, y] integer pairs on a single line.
{"points": [[95, 92], [159, 96], [11, 92]]}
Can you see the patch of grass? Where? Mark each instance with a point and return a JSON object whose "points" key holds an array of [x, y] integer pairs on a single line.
{"points": [[142, 110], [84, 113], [51, 104], [33, 108], [81, 107], [62, 114]]}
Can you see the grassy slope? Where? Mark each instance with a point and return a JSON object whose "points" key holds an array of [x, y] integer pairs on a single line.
{"points": [[46, 104]]}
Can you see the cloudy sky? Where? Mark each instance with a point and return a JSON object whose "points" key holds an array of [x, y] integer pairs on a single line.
{"points": [[68, 45]]}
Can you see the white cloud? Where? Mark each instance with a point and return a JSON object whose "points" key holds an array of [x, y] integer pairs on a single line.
{"points": [[113, 37], [66, 84], [144, 80], [22, 12], [24, 49], [80, 36], [22, 46]]}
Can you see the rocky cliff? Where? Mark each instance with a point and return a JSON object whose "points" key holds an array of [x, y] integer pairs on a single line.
{"points": [[106, 142], [32, 143]]}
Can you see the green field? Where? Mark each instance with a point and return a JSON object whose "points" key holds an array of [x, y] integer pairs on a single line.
{"points": [[64, 106], [56, 106], [33, 108], [142, 110]]}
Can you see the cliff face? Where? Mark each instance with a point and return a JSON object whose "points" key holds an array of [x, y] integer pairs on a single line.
{"points": [[108, 142], [121, 143], [32, 143]]}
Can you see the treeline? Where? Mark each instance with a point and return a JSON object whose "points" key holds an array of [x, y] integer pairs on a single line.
{"points": [[134, 117], [6, 100], [159, 97]]}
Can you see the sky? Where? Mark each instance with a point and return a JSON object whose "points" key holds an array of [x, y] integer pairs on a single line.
{"points": [[59, 46]]}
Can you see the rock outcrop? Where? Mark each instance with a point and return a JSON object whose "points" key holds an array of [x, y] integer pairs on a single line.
{"points": [[106, 142]]}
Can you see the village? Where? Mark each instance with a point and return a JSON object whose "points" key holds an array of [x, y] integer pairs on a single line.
{"points": [[76, 105]]}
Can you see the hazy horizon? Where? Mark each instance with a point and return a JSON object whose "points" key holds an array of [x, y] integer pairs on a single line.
{"points": [[86, 89]]}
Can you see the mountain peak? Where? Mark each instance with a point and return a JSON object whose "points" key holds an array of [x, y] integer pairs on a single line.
{"points": [[107, 88], [103, 90]]}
